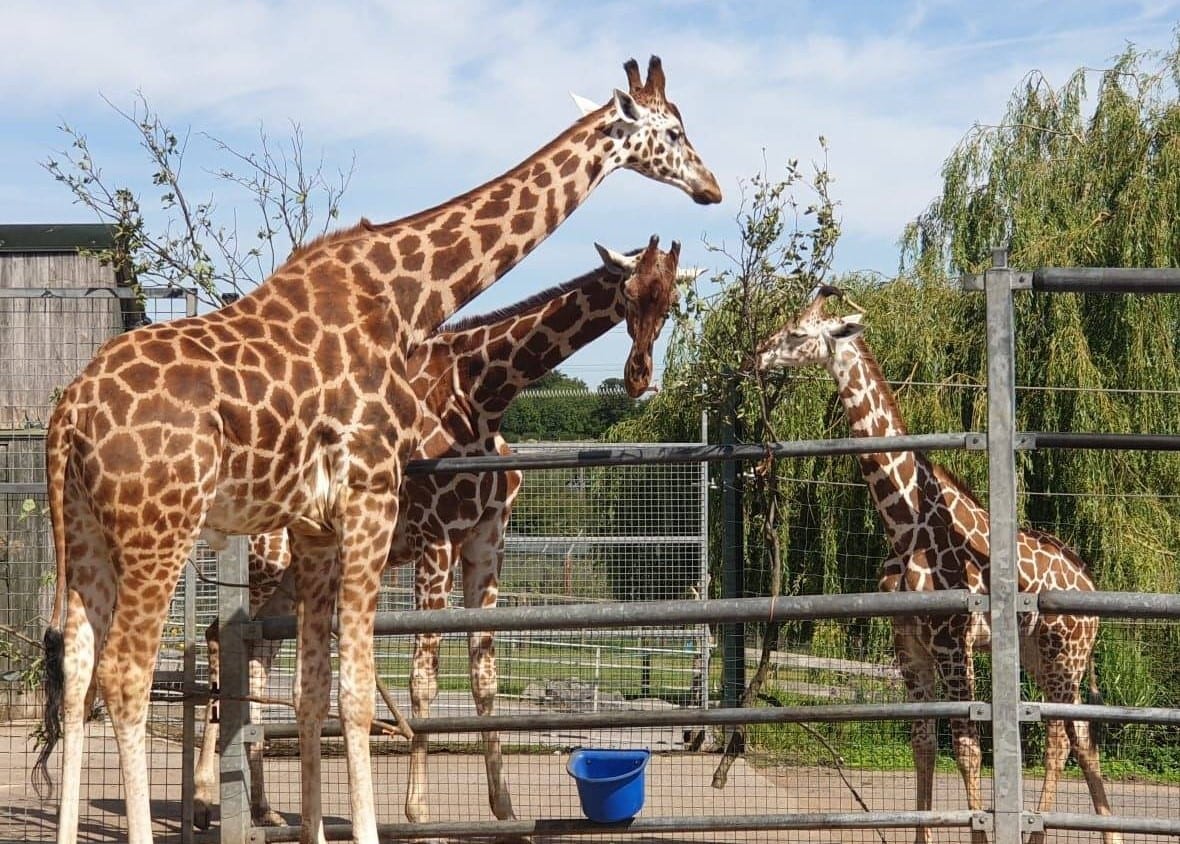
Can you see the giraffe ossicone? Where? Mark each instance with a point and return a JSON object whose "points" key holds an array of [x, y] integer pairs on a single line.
{"points": [[289, 407], [465, 376], [938, 533]]}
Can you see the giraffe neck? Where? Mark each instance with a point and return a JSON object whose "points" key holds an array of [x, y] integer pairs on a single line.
{"points": [[427, 266], [497, 356], [900, 482]]}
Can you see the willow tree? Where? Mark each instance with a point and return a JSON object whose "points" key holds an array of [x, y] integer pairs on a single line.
{"points": [[1066, 179]]}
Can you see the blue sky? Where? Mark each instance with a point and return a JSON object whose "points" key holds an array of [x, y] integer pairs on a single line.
{"points": [[434, 98]]}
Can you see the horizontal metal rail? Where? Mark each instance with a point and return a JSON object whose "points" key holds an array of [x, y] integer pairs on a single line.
{"points": [[618, 718], [649, 826], [645, 613], [1105, 442], [1106, 280], [1104, 823], [94, 292], [1110, 604], [623, 455], [1039, 711]]}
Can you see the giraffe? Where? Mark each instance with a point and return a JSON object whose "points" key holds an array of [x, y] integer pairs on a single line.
{"points": [[938, 532], [465, 377], [290, 407]]}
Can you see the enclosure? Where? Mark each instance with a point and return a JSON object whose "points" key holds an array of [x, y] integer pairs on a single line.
{"points": [[612, 635]]}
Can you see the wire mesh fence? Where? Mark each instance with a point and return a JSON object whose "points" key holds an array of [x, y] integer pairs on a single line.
{"points": [[578, 536]]}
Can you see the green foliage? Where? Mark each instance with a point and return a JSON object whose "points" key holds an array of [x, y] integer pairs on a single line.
{"points": [[180, 240], [1065, 185], [1065, 181], [558, 407]]}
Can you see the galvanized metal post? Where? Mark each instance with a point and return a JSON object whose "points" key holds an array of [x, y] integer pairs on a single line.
{"points": [[1004, 587], [233, 601], [188, 727], [704, 640], [733, 578]]}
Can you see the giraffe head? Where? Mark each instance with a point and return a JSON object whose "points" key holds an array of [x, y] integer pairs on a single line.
{"points": [[649, 135], [812, 338], [649, 291]]}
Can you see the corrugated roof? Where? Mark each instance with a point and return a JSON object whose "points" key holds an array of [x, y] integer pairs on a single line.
{"points": [[56, 237]]}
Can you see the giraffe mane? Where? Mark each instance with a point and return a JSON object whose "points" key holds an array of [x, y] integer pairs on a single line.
{"points": [[526, 304]]}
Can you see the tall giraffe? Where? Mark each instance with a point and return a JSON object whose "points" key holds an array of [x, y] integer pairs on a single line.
{"points": [[938, 532], [465, 377], [291, 408]]}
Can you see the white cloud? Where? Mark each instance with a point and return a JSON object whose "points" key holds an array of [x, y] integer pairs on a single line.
{"points": [[437, 97]]}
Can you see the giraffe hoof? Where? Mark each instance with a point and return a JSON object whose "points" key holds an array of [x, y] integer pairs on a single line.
{"points": [[202, 814], [269, 817]]}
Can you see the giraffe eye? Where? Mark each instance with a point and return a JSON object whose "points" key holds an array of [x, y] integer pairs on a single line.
{"points": [[674, 136]]}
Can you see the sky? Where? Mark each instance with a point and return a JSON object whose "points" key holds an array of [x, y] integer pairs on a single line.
{"points": [[431, 99]]}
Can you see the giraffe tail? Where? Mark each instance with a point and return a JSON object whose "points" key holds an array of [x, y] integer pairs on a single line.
{"points": [[58, 445]]}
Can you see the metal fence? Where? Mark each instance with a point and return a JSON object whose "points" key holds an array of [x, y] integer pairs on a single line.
{"points": [[752, 810], [655, 650]]}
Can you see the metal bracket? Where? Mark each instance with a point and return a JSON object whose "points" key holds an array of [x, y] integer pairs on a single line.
{"points": [[1028, 601], [1022, 281], [1024, 442], [253, 734], [1030, 712], [251, 631], [983, 822], [980, 712], [257, 835], [978, 603], [1032, 822], [976, 442], [972, 281]]}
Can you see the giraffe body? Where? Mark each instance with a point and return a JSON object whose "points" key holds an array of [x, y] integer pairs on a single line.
{"points": [[289, 408], [465, 377], [938, 533]]}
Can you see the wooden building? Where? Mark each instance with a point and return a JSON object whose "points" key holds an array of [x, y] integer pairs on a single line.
{"points": [[58, 304]]}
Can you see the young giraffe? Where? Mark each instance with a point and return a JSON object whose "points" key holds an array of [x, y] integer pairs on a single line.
{"points": [[465, 378], [938, 532], [290, 408]]}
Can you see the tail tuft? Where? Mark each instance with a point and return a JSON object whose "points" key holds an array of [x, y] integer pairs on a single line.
{"points": [[54, 685]]}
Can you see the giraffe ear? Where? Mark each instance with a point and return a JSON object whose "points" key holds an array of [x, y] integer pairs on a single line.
{"points": [[626, 109], [687, 274], [847, 329], [616, 262], [586, 106]]}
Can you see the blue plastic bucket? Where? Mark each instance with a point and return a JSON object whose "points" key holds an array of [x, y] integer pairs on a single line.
{"points": [[610, 782]]}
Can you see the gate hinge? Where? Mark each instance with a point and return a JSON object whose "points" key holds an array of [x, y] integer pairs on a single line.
{"points": [[1032, 822], [982, 821], [253, 734], [980, 712]]}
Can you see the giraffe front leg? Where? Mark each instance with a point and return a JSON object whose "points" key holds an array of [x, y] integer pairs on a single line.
{"points": [[918, 673], [205, 779], [364, 550], [432, 582], [262, 655], [483, 556], [316, 579], [958, 674]]}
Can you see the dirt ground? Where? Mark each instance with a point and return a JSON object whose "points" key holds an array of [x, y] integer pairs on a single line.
{"points": [[677, 785]]}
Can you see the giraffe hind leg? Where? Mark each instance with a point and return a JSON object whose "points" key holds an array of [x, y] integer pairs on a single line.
{"points": [[483, 555]]}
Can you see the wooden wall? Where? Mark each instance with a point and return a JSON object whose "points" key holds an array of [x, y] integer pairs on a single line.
{"points": [[45, 342]]}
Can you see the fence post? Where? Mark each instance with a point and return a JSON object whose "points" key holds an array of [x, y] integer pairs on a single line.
{"points": [[233, 602], [733, 636], [1004, 587]]}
